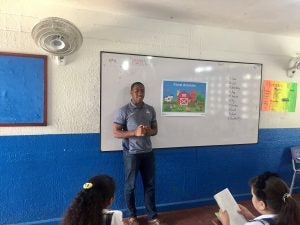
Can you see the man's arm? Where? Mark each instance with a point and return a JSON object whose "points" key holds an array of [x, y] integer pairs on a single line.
{"points": [[119, 132], [151, 131]]}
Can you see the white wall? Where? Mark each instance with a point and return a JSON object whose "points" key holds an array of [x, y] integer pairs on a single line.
{"points": [[74, 89]]}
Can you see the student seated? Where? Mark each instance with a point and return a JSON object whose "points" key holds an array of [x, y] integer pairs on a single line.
{"points": [[89, 206], [271, 198]]}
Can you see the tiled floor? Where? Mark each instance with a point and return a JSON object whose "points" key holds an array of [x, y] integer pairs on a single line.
{"points": [[196, 216]]}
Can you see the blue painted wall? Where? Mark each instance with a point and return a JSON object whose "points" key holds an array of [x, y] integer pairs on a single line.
{"points": [[41, 174]]}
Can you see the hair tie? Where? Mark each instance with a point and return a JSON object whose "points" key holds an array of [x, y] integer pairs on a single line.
{"points": [[87, 186], [285, 196]]}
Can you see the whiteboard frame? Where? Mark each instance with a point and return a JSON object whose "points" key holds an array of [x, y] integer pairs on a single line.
{"points": [[155, 139]]}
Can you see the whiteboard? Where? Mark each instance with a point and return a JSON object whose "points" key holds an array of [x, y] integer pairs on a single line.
{"points": [[232, 99]]}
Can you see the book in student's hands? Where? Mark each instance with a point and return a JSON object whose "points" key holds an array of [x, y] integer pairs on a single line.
{"points": [[226, 202]]}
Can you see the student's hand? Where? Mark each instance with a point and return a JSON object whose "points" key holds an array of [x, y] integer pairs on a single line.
{"points": [[245, 212], [216, 222], [223, 217]]}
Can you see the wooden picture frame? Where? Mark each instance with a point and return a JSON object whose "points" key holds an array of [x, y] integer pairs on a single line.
{"points": [[23, 89]]}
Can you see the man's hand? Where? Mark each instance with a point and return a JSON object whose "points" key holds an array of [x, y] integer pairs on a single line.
{"points": [[147, 130], [140, 131]]}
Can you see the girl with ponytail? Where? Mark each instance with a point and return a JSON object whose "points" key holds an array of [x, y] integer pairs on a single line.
{"points": [[271, 198], [89, 206]]}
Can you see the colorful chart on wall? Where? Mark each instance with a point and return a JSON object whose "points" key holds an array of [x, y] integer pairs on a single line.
{"points": [[279, 96], [197, 102]]}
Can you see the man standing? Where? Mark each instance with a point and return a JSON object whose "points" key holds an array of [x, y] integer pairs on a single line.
{"points": [[136, 123]]}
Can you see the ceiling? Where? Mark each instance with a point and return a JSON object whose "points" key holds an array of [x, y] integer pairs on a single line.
{"points": [[279, 17]]}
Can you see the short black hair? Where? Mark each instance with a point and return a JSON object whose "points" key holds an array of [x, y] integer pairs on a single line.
{"points": [[136, 83]]}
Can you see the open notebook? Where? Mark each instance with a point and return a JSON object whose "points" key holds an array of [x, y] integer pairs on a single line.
{"points": [[226, 201]]}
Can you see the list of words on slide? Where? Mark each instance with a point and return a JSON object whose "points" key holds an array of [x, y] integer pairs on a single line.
{"points": [[233, 98]]}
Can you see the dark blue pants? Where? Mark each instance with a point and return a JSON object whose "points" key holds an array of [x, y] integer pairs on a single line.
{"points": [[145, 164]]}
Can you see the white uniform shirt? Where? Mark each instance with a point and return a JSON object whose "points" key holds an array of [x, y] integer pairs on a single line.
{"points": [[253, 222], [117, 218]]}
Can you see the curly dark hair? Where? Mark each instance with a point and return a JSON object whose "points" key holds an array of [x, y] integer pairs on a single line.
{"points": [[274, 192], [87, 206]]}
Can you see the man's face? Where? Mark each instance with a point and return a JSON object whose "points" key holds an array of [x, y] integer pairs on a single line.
{"points": [[137, 94]]}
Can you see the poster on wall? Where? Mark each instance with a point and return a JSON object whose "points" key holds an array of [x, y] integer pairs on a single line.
{"points": [[279, 96], [182, 98]]}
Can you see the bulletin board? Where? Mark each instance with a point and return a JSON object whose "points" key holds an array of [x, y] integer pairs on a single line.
{"points": [[228, 103], [23, 89]]}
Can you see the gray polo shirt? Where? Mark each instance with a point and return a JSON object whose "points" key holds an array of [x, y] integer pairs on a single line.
{"points": [[130, 117]]}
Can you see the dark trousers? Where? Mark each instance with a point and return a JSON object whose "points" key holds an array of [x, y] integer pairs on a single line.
{"points": [[145, 164]]}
